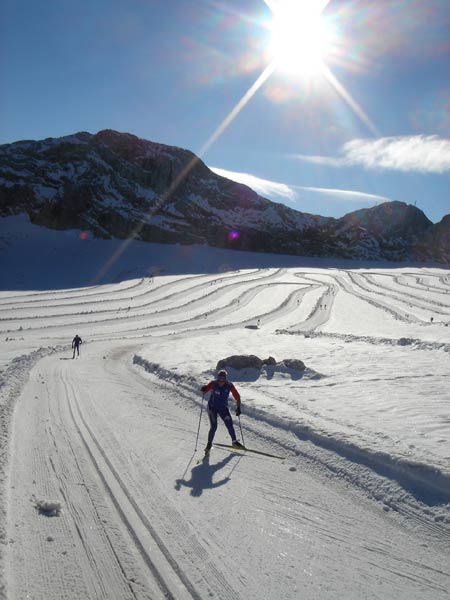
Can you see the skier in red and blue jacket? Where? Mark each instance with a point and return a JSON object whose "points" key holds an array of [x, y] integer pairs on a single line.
{"points": [[220, 390]]}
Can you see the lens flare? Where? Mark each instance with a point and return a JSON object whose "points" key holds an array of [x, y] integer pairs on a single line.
{"points": [[233, 236]]}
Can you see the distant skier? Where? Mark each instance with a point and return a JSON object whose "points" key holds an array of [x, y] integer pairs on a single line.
{"points": [[76, 342], [218, 406]]}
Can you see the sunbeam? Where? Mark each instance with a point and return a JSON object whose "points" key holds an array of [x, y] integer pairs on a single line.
{"points": [[300, 43], [188, 168], [239, 106], [340, 89]]}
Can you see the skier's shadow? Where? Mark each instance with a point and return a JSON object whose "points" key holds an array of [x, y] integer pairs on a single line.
{"points": [[202, 476]]}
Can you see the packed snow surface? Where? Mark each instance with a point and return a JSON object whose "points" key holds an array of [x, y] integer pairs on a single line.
{"points": [[103, 491]]}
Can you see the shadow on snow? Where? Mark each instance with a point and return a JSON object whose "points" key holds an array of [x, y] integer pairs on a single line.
{"points": [[202, 476]]}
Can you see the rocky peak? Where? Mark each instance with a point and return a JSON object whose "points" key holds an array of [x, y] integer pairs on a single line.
{"points": [[390, 218]]}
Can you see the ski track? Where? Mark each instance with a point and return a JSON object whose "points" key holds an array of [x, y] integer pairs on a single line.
{"points": [[90, 479], [131, 538], [406, 298], [128, 543], [123, 317], [172, 295], [115, 295]]}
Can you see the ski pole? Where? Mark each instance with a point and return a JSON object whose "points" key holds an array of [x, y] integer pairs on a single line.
{"points": [[242, 433], [199, 421]]}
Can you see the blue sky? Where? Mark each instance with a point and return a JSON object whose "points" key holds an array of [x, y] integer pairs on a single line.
{"points": [[369, 122]]}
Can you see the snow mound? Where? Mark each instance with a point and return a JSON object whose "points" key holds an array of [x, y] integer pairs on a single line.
{"points": [[12, 381], [188, 383], [415, 343], [239, 367]]}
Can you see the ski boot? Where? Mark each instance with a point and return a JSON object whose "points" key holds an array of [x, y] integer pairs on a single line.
{"points": [[237, 445]]}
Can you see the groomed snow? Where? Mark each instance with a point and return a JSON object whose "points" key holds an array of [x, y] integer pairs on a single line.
{"points": [[102, 494]]}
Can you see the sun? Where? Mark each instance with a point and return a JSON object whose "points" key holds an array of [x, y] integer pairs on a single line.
{"points": [[299, 39]]}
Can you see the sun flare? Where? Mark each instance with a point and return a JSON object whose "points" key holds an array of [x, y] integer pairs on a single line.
{"points": [[299, 37]]}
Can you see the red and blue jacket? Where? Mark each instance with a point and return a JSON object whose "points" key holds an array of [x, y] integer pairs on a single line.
{"points": [[218, 398]]}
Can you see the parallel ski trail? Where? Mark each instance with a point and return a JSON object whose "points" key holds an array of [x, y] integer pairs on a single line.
{"points": [[72, 555], [154, 551], [111, 480]]}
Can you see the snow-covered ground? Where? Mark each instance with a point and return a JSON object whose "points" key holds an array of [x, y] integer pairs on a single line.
{"points": [[102, 493]]}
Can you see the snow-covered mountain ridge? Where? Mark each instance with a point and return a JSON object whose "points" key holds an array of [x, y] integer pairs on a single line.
{"points": [[117, 185]]}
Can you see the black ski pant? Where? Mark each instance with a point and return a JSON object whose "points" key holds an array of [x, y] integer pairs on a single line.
{"points": [[225, 415]]}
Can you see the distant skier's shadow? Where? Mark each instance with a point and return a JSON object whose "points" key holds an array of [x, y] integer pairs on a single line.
{"points": [[202, 476]]}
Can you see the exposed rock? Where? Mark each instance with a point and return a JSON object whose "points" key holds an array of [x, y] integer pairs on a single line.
{"points": [[293, 363], [435, 242], [269, 361], [239, 361], [251, 366]]}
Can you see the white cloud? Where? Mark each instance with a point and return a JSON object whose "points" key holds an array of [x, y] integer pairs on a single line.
{"points": [[264, 187], [348, 195], [293, 193], [418, 153], [428, 154]]}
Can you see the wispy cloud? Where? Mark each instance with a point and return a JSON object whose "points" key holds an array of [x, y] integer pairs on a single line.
{"points": [[417, 153], [348, 195], [327, 161], [296, 193], [264, 187]]}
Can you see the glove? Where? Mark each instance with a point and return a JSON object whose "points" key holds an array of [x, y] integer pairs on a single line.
{"points": [[238, 411], [204, 388]]}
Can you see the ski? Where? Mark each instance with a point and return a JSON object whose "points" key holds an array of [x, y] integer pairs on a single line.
{"points": [[230, 447]]}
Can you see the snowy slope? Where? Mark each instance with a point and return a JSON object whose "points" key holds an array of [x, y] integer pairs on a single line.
{"points": [[358, 507]]}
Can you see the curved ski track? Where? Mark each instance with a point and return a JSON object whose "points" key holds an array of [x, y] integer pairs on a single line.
{"points": [[160, 566], [162, 308]]}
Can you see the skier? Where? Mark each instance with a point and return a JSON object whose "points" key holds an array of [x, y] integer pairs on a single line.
{"points": [[76, 345], [218, 406]]}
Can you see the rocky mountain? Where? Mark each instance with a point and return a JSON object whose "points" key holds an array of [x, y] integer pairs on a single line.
{"points": [[118, 185]]}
